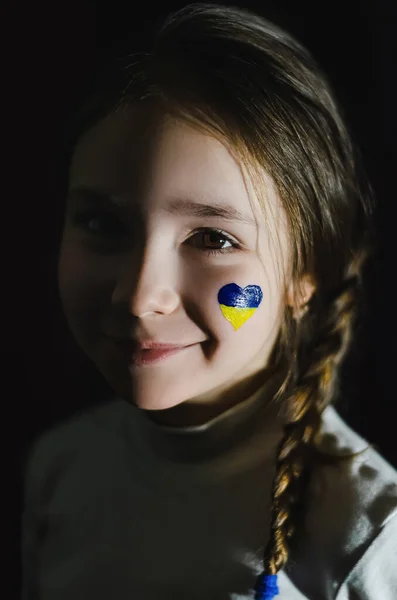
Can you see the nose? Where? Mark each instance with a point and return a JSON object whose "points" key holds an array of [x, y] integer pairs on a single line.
{"points": [[149, 290]]}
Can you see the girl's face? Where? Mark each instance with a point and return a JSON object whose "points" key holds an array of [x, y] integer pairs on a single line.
{"points": [[155, 227]]}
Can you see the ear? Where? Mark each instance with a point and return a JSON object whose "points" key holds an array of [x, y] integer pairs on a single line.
{"points": [[304, 291]]}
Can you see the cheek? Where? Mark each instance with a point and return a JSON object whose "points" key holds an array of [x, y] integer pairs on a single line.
{"points": [[235, 313], [85, 281]]}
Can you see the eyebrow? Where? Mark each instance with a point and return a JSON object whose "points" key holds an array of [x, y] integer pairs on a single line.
{"points": [[95, 196], [175, 206], [181, 207]]}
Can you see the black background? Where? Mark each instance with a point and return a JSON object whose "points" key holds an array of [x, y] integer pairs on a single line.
{"points": [[50, 52]]}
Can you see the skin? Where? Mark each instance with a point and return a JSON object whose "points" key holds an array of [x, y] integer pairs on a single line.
{"points": [[152, 276]]}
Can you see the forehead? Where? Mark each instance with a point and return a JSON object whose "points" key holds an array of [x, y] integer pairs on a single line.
{"points": [[150, 159]]}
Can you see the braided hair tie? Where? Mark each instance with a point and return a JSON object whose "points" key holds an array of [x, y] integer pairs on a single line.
{"points": [[266, 588]]}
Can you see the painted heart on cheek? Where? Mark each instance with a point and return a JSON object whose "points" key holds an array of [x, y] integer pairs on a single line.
{"points": [[239, 304]]}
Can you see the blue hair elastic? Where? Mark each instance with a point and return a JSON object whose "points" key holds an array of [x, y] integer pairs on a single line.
{"points": [[267, 587]]}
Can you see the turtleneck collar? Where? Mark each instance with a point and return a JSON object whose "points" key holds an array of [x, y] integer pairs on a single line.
{"points": [[255, 420]]}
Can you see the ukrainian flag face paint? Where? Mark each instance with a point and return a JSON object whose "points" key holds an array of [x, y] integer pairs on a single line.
{"points": [[239, 304]]}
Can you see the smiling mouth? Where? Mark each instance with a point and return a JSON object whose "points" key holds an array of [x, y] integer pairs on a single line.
{"points": [[150, 356]]}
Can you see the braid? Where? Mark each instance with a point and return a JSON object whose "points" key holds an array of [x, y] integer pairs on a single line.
{"points": [[313, 389]]}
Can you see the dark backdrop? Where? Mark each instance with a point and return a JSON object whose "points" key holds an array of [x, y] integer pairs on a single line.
{"points": [[51, 50]]}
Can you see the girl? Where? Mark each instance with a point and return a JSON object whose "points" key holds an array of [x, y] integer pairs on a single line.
{"points": [[216, 231]]}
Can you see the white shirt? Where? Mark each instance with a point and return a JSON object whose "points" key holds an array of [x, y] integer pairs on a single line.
{"points": [[120, 507]]}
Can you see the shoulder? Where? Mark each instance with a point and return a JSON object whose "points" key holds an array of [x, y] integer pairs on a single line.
{"points": [[349, 508], [374, 575], [83, 436], [363, 496], [364, 489]]}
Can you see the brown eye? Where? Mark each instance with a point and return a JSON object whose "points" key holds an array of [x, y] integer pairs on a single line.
{"points": [[212, 238], [213, 241], [98, 223]]}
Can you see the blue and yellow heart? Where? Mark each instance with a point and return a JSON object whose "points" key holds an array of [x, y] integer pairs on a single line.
{"points": [[239, 304]]}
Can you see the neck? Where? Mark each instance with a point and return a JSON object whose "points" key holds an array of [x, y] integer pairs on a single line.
{"points": [[200, 410]]}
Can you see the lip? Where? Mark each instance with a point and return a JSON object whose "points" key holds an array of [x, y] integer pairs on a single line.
{"points": [[152, 345], [148, 352], [143, 357]]}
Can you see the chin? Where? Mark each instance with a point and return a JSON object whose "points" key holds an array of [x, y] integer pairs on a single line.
{"points": [[146, 397], [155, 402], [160, 393]]}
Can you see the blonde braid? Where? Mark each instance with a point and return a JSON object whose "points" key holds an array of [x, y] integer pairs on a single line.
{"points": [[313, 390]]}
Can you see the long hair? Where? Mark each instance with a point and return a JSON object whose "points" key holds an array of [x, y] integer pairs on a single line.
{"points": [[231, 73]]}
